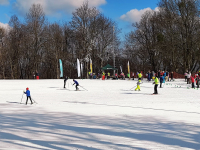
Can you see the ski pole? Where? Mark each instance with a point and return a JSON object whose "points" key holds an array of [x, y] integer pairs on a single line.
{"points": [[83, 88], [22, 98], [34, 100], [132, 87]]}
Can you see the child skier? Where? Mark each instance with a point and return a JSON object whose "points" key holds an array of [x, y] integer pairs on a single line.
{"points": [[28, 95], [138, 85], [77, 84]]}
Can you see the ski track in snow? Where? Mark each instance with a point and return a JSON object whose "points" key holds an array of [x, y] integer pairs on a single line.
{"points": [[109, 116]]}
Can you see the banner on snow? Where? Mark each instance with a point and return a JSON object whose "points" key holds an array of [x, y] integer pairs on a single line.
{"points": [[128, 69], [61, 68], [121, 68], [82, 69], [91, 65], [78, 68]]}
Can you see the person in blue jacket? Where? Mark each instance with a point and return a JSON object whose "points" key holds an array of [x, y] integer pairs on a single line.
{"points": [[161, 81], [28, 95], [164, 75], [149, 76], [77, 84]]}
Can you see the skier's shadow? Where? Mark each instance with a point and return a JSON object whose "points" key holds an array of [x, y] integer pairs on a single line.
{"points": [[65, 89], [53, 87], [132, 93], [125, 90], [13, 102]]}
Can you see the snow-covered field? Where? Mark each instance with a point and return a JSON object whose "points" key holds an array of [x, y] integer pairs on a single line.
{"points": [[109, 116]]}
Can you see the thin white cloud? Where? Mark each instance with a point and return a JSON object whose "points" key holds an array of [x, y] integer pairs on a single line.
{"points": [[5, 26], [54, 7], [4, 2], [135, 15]]}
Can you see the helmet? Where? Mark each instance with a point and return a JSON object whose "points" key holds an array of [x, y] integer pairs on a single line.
{"points": [[27, 88]]}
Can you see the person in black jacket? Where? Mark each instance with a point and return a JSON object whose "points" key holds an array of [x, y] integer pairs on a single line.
{"points": [[172, 76], [159, 74], [65, 80], [161, 80]]}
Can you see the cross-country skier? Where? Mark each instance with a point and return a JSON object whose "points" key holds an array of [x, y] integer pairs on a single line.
{"points": [[156, 82], [138, 85], [65, 80], [77, 84], [28, 95]]}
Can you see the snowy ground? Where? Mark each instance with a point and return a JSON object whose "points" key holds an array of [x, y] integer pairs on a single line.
{"points": [[109, 116]]}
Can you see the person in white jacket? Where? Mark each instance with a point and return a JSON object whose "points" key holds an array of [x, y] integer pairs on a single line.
{"points": [[188, 77]]}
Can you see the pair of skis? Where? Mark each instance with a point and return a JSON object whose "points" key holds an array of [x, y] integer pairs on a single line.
{"points": [[31, 99], [80, 86]]}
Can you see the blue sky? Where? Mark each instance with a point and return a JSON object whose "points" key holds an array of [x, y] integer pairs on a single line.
{"points": [[124, 12]]}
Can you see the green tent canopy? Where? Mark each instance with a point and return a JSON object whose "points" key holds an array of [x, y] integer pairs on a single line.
{"points": [[108, 67]]}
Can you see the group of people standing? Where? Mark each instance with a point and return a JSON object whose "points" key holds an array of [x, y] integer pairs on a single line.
{"points": [[191, 79], [164, 74], [157, 77]]}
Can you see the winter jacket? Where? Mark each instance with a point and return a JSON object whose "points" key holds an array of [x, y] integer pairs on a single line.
{"points": [[139, 75], [156, 81], [164, 75], [185, 74], [75, 82], [27, 93], [66, 78], [192, 79], [172, 76], [161, 79], [158, 74], [188, 75]]}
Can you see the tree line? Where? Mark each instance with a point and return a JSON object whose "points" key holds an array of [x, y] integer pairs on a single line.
{"points": [[37, 45], [167, 39]]}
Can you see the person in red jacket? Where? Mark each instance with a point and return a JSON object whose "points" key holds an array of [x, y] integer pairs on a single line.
{"points": [[192, 79]]}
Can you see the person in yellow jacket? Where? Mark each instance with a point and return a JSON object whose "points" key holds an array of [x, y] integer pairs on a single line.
{"points": [[139, 76], [138, 85], [156, 82], [108, 77]]}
